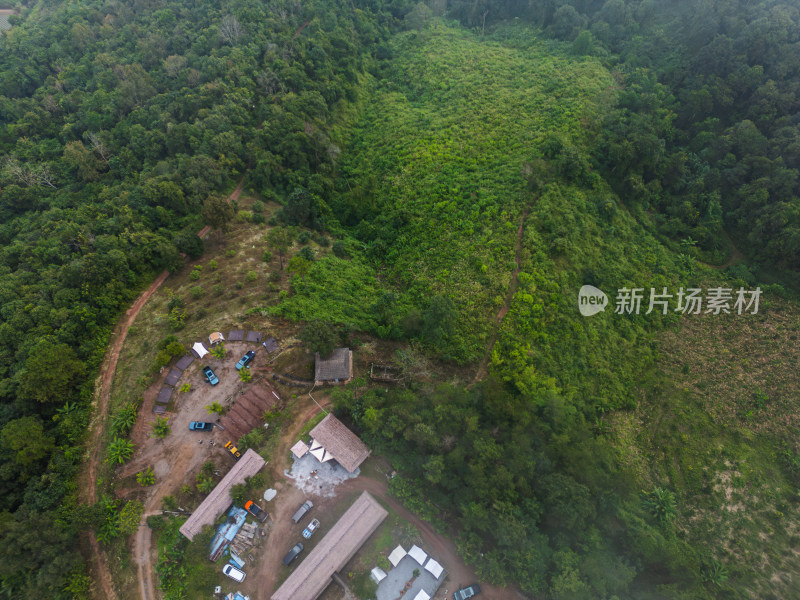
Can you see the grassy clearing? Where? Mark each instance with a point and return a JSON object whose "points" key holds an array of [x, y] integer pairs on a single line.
{"points": [[704, 429]]}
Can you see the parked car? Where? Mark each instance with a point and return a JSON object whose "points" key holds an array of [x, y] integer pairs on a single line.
{"points": [[304, 508], [233, 450], [255, 510], [312, 527], [233, 573], [296, 549], [467, 592], [210, 375], [245, 360], [200, 426]]}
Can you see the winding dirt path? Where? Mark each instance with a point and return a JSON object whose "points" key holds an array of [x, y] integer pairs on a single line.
{"points": [[512, 289], [100, 407]]}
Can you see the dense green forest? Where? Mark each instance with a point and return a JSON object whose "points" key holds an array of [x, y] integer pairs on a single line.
{"points": [[119, 123], [446, 145]]}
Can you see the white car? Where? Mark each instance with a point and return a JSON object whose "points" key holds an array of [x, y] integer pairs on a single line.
{"points": [[233, 573]]}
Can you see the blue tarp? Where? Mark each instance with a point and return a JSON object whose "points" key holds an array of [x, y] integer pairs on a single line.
{"points": [[227, 531]]}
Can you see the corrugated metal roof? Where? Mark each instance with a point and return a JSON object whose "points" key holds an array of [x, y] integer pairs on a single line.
{"points": [[340, 544], [220, 497]]}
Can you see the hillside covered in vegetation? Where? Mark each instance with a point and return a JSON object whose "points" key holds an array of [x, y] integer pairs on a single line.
{"points": [[478, 162]]}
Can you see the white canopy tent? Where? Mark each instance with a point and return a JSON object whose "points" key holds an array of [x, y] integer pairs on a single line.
{"points": [[378, 574], [418, 554], [320, 452], [397, 555], [434, 568], [422, 595], [199, 349]]}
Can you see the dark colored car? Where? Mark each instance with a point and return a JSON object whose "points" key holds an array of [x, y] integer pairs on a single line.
{"points": [[200, 426], [255, 510], [304, 508], [296, 549], [212, 378], [233, 450], [245, 360], [467, 592]]}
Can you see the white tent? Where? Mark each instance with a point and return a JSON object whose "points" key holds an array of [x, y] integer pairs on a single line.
{"points": [[199, 349], [320, 452], [378, 574], [422, 595], [434, 568], [397, 555], [418, 554]]}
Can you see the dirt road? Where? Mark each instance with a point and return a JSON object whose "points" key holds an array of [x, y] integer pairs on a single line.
{"points": [[100, 408], [512, 289]]}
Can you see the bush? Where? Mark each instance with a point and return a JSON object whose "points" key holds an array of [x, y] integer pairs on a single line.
{"points": [[175, 348], [267, 256], [230, 253], [258, 219], [166, 341], [195, 274], [239, 285], [275, 276], [323, 241], [273, 221], [213, 265], [339, 249], [258, 206], [161, 428], [197, 292], [156, 522], [218, 289], [251, 276], [244, 216], [307, 253], [177, 318], [304, 237]]}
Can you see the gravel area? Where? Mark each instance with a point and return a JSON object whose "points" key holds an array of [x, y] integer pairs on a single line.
{"points": [[328, 475]]}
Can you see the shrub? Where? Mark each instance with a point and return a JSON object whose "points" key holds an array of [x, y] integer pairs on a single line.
{"points": [[251, 276], [177, 318], [194, 275], [218, 289], [175, 349], [156, 522], [244, 216], [167, 340], [304, 237], [245, 375], [323, 241], [146, 477], [258, 206], [161, 428], [307, 253], [213, 265], [267, 256], [275, 277], [230, 253], [197, 292], [239, 285], [339, 249], [185, 388]]}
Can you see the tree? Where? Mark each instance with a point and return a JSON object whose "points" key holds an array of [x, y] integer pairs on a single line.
{"points": [[43, 383], [278, 241], [320, 336], [119, 450], [218, 213], [124, 419], [230, 29], [661, 504], [218, 351], [82, 160], [245, 375], [418, 17], [27, 439], [215, 408], [161, 428], [438, 8]]}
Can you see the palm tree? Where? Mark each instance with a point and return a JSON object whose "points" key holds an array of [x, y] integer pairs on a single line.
{"points": [[161, 428], [120, 450], [215, 408]]}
